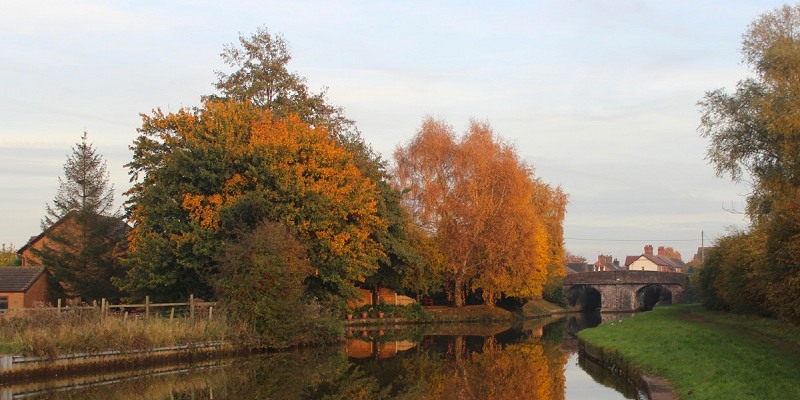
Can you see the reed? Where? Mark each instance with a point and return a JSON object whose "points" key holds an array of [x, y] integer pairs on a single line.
{"points": [[50, 334]]}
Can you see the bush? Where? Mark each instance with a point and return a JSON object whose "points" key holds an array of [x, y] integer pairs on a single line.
{"points": [[261, 286], [554, 292]]}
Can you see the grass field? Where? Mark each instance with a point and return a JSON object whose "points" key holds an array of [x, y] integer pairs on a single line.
{"points": [[708, 355]]}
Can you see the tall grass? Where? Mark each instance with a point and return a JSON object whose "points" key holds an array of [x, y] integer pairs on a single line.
{"points": [[708, 355], [47, 333]]}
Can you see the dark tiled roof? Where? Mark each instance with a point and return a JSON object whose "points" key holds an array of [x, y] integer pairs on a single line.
{"points": [[18, 279], [578, 267]]}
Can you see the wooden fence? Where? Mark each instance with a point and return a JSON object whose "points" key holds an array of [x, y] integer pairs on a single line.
{"points": [[191, 309]]}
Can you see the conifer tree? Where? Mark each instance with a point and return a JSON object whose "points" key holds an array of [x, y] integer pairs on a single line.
{"points": [[82, 230]]}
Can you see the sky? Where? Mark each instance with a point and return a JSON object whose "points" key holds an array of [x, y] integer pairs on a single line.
{"points": [[600, 97]]}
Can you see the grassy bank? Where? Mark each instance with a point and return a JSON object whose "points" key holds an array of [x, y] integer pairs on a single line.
{"points": [[708, 355]]}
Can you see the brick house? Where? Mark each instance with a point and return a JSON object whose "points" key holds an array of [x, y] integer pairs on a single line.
{"points": [[22, 287], [64, 227], [654, 262]]}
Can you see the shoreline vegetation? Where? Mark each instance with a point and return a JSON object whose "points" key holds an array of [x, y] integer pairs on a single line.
{"points": [[703, 354], [49, 334], [52, 336]]}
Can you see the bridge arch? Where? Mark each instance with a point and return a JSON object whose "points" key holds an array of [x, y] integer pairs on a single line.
{"points": [[648, 296], [585, 298]]}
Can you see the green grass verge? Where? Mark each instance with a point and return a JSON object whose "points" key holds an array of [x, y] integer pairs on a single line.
{"points": [[708, 355]]}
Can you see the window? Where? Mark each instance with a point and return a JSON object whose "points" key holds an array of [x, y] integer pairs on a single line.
{"points": [[3, 303]]}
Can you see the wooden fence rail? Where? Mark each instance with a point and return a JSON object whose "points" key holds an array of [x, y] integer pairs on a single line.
{"points": [[192, 309]]}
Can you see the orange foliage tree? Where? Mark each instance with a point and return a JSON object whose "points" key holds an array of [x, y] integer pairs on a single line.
{"points": [[497, 226], [206, 176]]}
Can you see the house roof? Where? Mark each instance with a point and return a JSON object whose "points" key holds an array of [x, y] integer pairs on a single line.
{"points": [[660, 261], [577, 267], [118, 231], [18, 279]]}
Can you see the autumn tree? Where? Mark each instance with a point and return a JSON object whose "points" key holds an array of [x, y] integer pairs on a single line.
{"points": [[259, 75], [485, 209], [754, 136], [203, 176], [8, 255], [569, 257], [81, 256]]}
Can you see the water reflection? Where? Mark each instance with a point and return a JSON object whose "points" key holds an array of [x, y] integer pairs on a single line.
{"points": [[530, 361]]}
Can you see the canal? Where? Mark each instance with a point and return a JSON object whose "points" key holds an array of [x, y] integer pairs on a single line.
{"points": [[536, 360]]}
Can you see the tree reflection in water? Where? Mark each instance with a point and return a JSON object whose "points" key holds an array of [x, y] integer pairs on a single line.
{"points": [[523, 362]]}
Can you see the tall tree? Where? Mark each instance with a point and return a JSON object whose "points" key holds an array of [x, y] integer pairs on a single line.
{"points": [[754, 134], [479, 201], [81, 252], [207, 175], [260, 76]]}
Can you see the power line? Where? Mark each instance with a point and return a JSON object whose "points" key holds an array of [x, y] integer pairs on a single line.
{"points": [[632, 240]]}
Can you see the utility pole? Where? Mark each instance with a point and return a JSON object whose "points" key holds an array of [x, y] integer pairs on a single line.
{"points": [[702, 247]]}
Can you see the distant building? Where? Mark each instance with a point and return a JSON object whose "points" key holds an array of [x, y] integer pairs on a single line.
{"points": [[22, 287], [576, 267], [702, 253], [606, 263], [662, 261]]}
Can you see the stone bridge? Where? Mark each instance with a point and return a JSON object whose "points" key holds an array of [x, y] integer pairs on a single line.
{"points": [[625, 290]]}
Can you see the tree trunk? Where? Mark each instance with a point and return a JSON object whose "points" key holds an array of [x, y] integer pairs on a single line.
{"points": [[458, 291]]}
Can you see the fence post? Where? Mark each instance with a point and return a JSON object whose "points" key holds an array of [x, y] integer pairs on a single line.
{"points": [[191, 307], [59, 307], [146, 307], [171, 313], [210, 312], [103, 307]]}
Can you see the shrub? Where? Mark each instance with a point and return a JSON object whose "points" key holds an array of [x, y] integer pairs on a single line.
{"points": [[261, 285]]}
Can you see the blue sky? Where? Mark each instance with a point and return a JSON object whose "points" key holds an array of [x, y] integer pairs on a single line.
{"points": [[599, 96]]}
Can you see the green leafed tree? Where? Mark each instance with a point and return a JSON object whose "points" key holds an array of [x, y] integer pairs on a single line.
{"points": [[205, 176], [83, 233], [261, 284], [754, 136]]}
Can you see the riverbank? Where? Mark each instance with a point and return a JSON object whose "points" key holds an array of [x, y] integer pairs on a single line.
{"points": [[704, 354], [465, 314], [75, 341]]}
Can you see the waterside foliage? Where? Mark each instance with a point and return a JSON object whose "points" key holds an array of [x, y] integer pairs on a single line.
{"points": [[49, 334]]}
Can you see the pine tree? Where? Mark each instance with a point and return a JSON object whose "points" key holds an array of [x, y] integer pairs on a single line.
{"points": [[83, 232]]}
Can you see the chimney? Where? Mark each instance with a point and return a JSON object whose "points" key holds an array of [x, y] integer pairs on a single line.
{"points": [[616, 263], [648, 250], [661, 251]]}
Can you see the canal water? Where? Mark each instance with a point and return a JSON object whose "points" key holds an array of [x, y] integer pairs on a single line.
{"points": [[537, 360]]}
